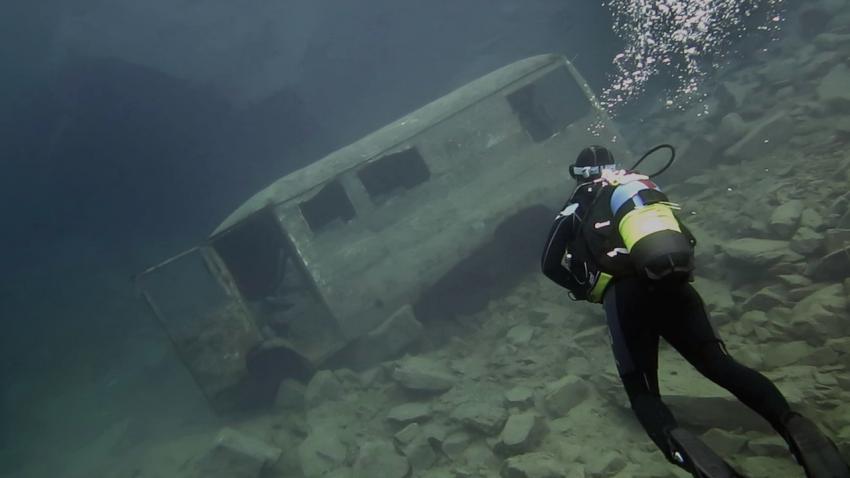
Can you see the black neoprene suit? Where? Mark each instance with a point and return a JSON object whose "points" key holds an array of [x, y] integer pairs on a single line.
{"points": [[638, 313], [637, 316]]}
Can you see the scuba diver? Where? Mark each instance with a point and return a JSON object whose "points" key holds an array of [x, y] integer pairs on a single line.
{"points": [[617, 242]]}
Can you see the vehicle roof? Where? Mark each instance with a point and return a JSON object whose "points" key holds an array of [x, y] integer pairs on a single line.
{"points": [[388, 137]]}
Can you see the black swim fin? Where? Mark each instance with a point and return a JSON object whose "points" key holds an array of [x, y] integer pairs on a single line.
{"points": [[690, 453], [816, 453]]}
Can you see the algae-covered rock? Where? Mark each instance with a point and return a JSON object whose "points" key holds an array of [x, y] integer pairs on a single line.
{"points": [[533, 465]]}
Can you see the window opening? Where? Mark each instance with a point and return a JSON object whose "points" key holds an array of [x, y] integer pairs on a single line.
{"points": [[548, 105], [329, 205], [394, 172]]}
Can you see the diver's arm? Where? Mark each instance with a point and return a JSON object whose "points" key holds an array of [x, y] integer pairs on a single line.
{"points": [[556, 245]]}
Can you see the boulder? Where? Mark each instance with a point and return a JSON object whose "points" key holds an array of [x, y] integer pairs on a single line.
{"points": [[806, 241], [765, 299], [759, 252], [488, 418], [563, 395], [717, 297], [324, 386], [520, 335], [811, 219], [794, 281], [419, 453], [834, 266], [519, 396], [409, 412], [522, 432], [455, 444], [833, 90], [762, 139], [408, 433], [822, 313], [784, 354], [423, 374], [836, 239], [533, 465], [379, 459], [321, 452], [786, 217], [236, 455]]}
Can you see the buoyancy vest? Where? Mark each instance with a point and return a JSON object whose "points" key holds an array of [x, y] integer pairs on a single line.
{"points": [[628, 228]]}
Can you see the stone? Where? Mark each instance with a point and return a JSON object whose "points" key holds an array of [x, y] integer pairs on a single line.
{"points": [[835, 266], [836, 239], [324, 386], [794, 281], [762, 139], [732, 128], [321, 452], [563, 395], [717, 297], [485, 417], [765, 299], [759, 252], [768, 446], [811, 219], [423, 374], [520, 335], [823, 313], [419, 453], [408, 433], [379, 459], [290, 394], [455, 444], [833, 90], [607, 463], [521, 433], [519, 396], [806, 241], [237, 455], [784, 354], [723, 442], [409, 412], [786, 217], [533, 465]]}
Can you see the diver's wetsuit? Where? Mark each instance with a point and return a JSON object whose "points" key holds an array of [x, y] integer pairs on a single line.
{"points": [[639, 311]]}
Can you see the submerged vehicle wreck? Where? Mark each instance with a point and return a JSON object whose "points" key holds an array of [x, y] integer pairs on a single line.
{"points": [[336, 258]]}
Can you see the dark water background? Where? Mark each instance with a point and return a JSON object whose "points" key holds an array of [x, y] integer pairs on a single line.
{"points": [[128, 138]]}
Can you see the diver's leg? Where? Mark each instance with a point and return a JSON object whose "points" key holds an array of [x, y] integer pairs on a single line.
{"points": [[634, 341], [691, 333]]}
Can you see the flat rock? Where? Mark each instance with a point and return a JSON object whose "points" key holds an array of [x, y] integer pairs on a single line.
{"points": [[833, 266], [786, 353], [768, 446], [485, 417], [520, 335], [379, 459], [765, 299], [237, 455], [563, 395], [760, 252], [533, 465], [424, 374], [762, 138], [519, 396], [324, 386], [823, 313], [833, 90], [786, 217], [806, 241], [409, 412], [321, 452], [521, 433]]}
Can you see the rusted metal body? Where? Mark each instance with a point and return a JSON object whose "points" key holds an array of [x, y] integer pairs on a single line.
{"points": [[328, 253]]}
